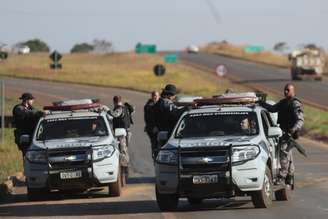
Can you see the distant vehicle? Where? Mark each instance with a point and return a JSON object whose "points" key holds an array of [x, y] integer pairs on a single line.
{"points": [[226, 147], [73, 149], [192, 49], [23, 50], [307, 63]]}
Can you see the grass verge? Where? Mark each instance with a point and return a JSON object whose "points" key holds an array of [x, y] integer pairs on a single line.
{"points": [[10, 156]]}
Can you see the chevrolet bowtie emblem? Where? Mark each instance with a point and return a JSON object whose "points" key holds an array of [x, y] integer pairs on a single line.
{"points": [[70, 158], [207, 159]]}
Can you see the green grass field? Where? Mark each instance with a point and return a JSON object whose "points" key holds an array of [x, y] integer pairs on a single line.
{"points": [[10, 156]]}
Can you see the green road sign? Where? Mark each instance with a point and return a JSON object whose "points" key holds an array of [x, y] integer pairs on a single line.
{"points": [[253, 49], [171, 58], [144, 48]]}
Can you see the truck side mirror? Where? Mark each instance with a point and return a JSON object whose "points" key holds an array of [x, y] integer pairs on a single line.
{"points": [[24, 140], [274, 132], [119, 132]]}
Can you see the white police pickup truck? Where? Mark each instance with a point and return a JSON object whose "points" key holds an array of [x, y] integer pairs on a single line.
{"points": [[225, 147], [73, 149]]}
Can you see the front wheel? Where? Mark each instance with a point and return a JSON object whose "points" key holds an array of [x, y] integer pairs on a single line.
{"points": [[167, 202], [263, 198]]}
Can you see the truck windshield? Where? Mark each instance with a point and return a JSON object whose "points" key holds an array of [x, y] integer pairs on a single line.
{"points": [[217, 124], [71, 128]]}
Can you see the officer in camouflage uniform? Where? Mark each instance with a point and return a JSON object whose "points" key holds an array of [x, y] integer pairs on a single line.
{"points": [[291, 121], [122, 118]]}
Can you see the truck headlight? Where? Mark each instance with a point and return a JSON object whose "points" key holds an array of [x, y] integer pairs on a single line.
{"points": [[167, 157], [36, 156], [102, 152], [244, 153]]}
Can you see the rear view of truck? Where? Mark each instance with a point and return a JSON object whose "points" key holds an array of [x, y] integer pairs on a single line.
{"points": [[307, 63]]}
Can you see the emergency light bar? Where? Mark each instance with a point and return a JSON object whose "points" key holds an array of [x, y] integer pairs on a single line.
{"points": [[186, 100], [232, 98], [71, 105]]}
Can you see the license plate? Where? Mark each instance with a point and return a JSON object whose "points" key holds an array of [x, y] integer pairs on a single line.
{"points": [[205, 179], [71, 175]]}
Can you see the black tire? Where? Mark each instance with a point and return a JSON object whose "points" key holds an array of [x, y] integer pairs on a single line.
{"points": [[167, 202], [263, 198], [115, 188], [37, 194], [195, 201]]}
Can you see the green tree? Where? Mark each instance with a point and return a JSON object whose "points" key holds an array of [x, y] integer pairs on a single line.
{"points": [[36, 45], [82, 48]]}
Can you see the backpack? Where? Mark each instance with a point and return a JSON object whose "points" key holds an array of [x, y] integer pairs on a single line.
{"points": [[130, 111]]}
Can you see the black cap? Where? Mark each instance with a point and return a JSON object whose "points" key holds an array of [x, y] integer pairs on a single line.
{"points": [[170, 89], [27, 96]]}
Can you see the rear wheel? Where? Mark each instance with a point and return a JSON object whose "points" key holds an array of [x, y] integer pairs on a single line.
{"points": [[115, 188], [263, 198], [167, 202]]}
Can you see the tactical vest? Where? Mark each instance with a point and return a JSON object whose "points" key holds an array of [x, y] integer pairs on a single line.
{"points": [[122, 121], [286, 115]]}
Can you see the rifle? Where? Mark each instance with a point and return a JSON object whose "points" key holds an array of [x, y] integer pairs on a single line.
{"points": [[287, 138]]}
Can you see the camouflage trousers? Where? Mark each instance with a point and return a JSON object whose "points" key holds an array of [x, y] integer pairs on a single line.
{"points": [[286, 160], [124, 154]]}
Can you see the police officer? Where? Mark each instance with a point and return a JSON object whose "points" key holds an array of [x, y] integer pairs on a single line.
{"points": [[149, 118], [122, 118], [291, 121], [25, 119], [166, 112]]}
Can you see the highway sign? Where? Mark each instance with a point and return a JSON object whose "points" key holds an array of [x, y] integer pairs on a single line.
{"points": [[170, 58], [221, 70], [253, 49], [145, 48], [55, 57], [159, 70]]}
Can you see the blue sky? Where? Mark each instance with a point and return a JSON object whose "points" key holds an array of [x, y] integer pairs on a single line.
{"points": [[171, 24]]}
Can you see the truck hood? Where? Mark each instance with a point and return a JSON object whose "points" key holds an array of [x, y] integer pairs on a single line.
{"points": [[214, 142], [73, 142]]}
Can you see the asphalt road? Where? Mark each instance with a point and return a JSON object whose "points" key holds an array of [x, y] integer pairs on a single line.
{"points": [[262, 76], [310, 200]]}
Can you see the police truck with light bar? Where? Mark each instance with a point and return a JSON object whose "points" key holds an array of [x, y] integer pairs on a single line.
{"points": [[225, 147], [73, 149]]}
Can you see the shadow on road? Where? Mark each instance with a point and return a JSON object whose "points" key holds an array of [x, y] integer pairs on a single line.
{"points": [[140, 180], [111, 208]]}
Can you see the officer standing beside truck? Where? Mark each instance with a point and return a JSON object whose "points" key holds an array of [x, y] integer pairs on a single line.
{"points": [[291, 121], [25, 118], [149, 117]]}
